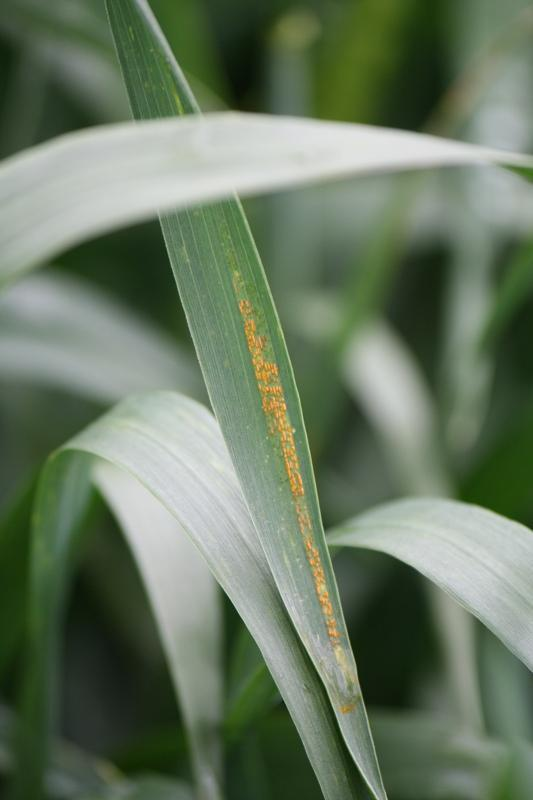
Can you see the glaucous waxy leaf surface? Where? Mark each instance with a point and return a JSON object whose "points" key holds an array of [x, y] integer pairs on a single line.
{"points": [[249, 378], [173, 447], [480, 558]]}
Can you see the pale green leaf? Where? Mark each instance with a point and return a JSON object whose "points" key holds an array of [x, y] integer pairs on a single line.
{"points": [[173, 447], [404, 417], [189, 625], [483, 560], [83, 184]]}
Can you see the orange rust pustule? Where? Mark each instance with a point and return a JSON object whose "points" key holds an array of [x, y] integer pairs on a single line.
{"points": [[275, 409], [349, 707]]}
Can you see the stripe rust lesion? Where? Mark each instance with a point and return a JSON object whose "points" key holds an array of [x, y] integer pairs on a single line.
{"points": [[275, 409]]}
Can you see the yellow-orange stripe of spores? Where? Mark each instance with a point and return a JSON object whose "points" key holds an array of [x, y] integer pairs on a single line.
{"points": [[275, 409]]}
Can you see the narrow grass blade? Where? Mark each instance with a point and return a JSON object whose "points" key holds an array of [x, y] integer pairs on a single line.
{"points": [[482, 560], [466, 372], [14, 550], [404, 419], [173, 447], [248, 374], [251, 691], [513, 292], [82, 184], [57, 331]]}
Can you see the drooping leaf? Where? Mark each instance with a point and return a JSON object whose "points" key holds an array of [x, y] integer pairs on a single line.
{"points": [[173, 447], [83, 184], [483, 560], [169, 568]]}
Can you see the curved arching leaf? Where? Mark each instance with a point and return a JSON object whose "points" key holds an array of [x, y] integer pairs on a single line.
{"points": [[173, 447], [82, 184], [483, 560]]}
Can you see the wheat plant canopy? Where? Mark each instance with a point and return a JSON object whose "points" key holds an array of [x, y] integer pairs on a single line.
{"points": [[83, 184], [173, 447], [480, 558]]}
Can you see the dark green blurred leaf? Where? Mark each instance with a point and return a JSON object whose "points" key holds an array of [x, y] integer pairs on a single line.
{"points": [[251, 692], [426, 758], [502, 477], [513, 292], [145, 788], [14, 554]]}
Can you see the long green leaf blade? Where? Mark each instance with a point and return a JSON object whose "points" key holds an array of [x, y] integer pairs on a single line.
{"points": [[481, 559], [61, 193], [173, 447], [248, 374]]}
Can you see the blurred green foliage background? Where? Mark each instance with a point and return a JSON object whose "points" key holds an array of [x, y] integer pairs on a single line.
{"points": [[407, 308]]}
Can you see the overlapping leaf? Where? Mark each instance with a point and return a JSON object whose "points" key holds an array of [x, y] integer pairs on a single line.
{"points": [[483, 560], [242, 353], [83, 184], [173, 447]]}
